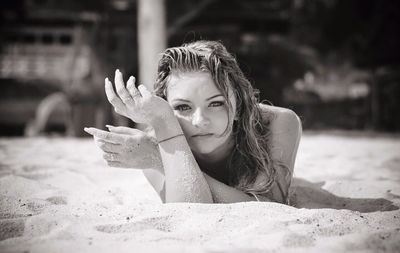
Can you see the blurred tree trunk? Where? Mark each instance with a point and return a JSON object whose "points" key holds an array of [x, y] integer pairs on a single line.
{"points": [[152, 38]]}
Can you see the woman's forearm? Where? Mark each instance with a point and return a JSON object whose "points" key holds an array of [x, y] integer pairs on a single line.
{"points": [[221, 192], [184, 181], [156, 179]]}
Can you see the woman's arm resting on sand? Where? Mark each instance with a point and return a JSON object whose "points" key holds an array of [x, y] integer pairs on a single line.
{"points": [[223, 193], [184, 181]]}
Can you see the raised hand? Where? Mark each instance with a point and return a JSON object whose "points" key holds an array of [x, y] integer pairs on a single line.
{"points": [[138, 104], [127, 148]]}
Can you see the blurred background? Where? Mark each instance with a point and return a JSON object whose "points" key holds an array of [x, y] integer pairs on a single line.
{"points": [[336, 63]]}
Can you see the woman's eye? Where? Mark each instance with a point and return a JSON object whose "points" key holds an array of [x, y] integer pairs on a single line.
{"points": [[217, 103], [182, 108]]}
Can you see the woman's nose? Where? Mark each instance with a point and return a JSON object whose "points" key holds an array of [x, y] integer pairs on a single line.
{"points": [[199, 119]]}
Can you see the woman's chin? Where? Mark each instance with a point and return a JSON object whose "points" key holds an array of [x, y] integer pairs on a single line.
{"points": [[202, 149], [209, 148]]}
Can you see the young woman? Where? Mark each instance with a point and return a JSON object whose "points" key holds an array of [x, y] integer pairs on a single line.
{"points": [[211, 141]]}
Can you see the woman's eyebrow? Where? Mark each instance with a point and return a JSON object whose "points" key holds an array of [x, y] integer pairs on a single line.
{"points": [[180, 99], [188, 101], [213, 97]]}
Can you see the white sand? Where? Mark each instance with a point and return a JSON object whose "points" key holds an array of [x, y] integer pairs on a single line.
{"points": [[57, 195]]}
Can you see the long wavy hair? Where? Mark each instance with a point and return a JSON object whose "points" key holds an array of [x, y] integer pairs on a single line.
{"points": [[250, 158]]}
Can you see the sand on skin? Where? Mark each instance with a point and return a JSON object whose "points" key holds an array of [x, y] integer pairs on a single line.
{"points": [[57, 195]]}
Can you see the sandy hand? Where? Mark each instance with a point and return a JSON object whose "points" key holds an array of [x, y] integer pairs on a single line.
{"points": [[138, 104], [127, 147]]}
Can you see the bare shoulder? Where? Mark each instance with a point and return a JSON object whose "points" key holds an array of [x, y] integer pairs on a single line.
{"points": [[286, 130], [282, 119]]}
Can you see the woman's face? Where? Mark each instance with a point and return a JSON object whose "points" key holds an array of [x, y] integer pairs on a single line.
{"points": [[202, 111]]}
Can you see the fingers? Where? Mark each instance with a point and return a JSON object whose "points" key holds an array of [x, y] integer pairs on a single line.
{"points": [[108, 146], [144, 91], [113, 98], [120, 87], [113, 160], [123, 130], [100, 134], [111, 157], [132, 89]]}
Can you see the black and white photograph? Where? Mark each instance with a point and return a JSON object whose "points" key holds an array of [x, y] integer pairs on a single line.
{"points": [[204, 126]]}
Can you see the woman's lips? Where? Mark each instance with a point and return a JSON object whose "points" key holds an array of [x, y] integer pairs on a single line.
{"points": [[201, 135]]}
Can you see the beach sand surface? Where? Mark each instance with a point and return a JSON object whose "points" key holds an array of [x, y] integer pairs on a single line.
{"points": [[58, 195]]}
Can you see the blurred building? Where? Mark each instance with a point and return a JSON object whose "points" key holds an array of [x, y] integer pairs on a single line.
{"points": [[52, 47]]}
